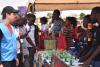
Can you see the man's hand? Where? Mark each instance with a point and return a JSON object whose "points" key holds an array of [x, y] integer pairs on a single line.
{"points": [[87, 62], [82, 59], [17, 62], [1, 65]]}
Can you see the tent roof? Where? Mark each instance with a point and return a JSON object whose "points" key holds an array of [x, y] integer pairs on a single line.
{"points": [[48, 5], [67, 1]]}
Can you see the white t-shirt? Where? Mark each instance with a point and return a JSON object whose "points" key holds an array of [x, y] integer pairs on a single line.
{"points": [[24, 41], [17, 35], [31, 34], [44, 27]]}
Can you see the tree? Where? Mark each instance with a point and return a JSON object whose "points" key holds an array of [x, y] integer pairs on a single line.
{"points": [[49, 15], [82, 16]]}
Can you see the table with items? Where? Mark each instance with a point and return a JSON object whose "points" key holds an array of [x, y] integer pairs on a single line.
{"points": [[56, 58]]}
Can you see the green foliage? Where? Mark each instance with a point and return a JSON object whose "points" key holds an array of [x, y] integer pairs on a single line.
{"points": [[82, 16]]}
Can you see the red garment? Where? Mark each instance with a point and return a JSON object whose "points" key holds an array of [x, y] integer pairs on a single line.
{"points": [[9, 27], [58, 62], [75, 34], [42, 37], [61, 42]]}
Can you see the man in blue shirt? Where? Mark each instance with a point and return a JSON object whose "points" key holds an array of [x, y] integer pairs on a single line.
{"points": [[8, 43]]}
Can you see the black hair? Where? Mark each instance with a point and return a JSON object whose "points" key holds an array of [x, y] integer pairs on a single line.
{"points": [[56, 11], [17, 22], [44, 19], [88, 18], [31, 18], [4, 15], [73, 21], [22, 22], [96, 10]]}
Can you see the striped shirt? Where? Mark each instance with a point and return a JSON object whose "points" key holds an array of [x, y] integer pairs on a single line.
{"points": [[69, 35]]}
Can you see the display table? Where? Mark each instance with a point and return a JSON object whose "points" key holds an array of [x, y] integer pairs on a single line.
{"points": [[57, 62], [40, 60], [55, 58]]}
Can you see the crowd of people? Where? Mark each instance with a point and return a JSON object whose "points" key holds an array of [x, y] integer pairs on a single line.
{"points": [[20, 38]]}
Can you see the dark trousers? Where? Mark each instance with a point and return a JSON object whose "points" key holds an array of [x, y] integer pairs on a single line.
{"points": [[9, 63], [31, 55], [20, 58], [96, 63], [26, 61]]}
